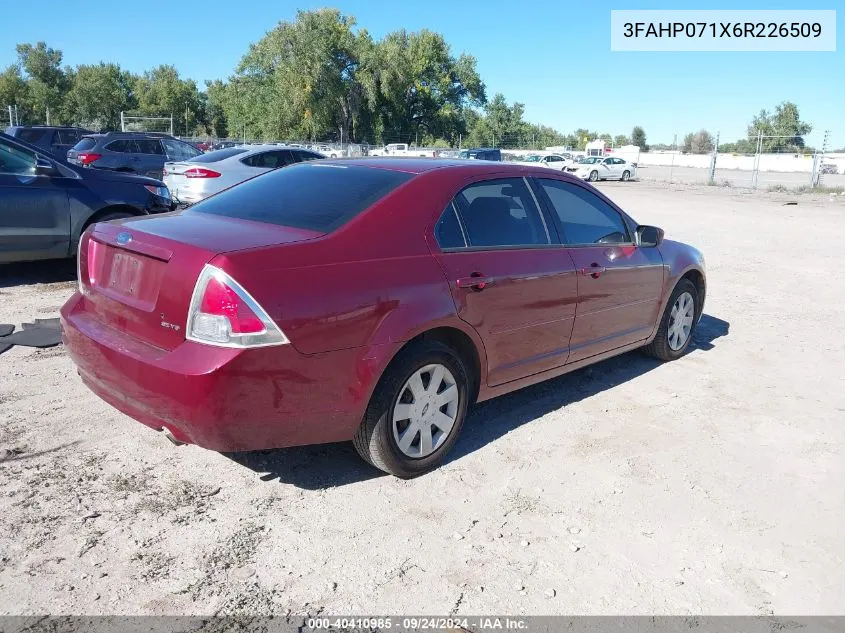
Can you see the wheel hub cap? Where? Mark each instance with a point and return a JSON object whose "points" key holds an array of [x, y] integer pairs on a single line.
{"points": [[425, 411], [681, 321]]}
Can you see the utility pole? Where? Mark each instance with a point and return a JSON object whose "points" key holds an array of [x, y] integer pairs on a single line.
{"points": [[11, 119], [186, 119], [48, 115], [713, 160], [674, 151]]}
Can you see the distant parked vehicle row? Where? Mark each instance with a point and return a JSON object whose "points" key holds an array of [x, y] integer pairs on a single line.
{"points": [[141, 153], [46, 203], [197, 178], [55, 139]]}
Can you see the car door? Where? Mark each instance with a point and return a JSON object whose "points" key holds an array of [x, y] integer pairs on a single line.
{"points": [[619, 284], [609, 169], [509, 276], [151, 157], [34, 209]]}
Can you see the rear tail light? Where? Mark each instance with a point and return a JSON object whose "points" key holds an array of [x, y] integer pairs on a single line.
{"points": [[222, 313], [201, 172], [86, 158]]}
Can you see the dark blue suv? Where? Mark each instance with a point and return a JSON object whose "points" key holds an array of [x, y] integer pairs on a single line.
{"points": [[141, 153]]}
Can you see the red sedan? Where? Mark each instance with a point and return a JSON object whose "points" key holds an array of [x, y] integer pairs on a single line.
{"points": [[370, 300]]}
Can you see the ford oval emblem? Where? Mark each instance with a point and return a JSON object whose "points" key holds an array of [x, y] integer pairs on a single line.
{"points": [[124, 238]]}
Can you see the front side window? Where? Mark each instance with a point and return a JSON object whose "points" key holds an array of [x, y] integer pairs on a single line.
{"points": [[501, 213], [122, 146], [584, 217], [14, 160]]}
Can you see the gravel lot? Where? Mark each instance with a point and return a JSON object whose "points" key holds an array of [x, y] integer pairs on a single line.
{"points": [[715, 484]]}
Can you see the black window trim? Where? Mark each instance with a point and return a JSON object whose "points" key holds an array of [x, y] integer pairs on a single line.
{"points": [[626, 221], [554, 239]]}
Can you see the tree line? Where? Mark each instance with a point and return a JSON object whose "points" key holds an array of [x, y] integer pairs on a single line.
{"points": [[318, 77], [321, 78]]}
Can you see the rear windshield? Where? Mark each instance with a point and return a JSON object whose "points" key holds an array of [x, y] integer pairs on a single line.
{"points": [[218, 155], [85, 144], [307, 195]]}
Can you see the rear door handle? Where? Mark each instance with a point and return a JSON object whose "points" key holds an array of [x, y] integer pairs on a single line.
{"points": [[476, 281], [593, 271]]}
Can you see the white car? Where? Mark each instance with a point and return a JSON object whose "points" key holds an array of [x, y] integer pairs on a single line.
{"points": [[193, 180], [595, 168], [552, 161]]}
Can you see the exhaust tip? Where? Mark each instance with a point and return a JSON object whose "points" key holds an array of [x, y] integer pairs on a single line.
{"points": [[169, 435]]}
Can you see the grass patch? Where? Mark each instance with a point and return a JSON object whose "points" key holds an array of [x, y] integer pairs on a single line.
{"points": [[809, 189]]}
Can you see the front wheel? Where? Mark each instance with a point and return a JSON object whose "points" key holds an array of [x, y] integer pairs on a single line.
{"points": [[416, 412], [626, 176], [594, 176], [677, 324]]}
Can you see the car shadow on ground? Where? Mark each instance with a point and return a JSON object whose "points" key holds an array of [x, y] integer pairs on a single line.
{"points": [[41, 272], [332, 465]]}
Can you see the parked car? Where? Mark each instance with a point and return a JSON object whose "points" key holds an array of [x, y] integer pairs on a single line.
{"points": [[829, 168], [552, 161], [276, 313], [192, 180], [46, 203], [329, 152], [482, 153], [133, 152], [594, 168], [56, 140]]}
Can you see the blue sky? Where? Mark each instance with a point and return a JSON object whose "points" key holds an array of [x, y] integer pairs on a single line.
{"points": [[554, 56]]}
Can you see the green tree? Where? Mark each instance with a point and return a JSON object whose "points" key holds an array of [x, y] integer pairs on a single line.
{"points": [[162, 93], [699, 142], [619, 140], [98, 94], [14, 91], [46, 81], [784, 127], [638, 138], [215, 108], [415, 87]]}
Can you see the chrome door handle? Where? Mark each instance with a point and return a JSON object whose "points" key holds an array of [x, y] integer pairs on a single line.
{"points": [[476, 281], [593, 271]]}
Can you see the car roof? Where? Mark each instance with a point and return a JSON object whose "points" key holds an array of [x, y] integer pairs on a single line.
{"points": [[412, 165]]}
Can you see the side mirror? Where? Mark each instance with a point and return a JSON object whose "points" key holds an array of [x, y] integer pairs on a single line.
{"points": [[649, 236], [44, 167]]}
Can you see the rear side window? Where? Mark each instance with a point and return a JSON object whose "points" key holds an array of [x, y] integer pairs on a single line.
{"points": [[448, 230], [270, 160], [30, 135], [307, 196], [501, 213], [66, 137], [585, 218], [121, 146], [220, 154], [85, 144], [148, 146]]}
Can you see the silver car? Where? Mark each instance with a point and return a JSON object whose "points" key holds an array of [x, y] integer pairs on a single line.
{"points": [[193, 180]]}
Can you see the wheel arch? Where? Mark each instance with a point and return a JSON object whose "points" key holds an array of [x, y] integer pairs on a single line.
{"points": [[99, 215]]}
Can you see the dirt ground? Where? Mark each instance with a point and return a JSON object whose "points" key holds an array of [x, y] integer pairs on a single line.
{"points": [[714, 484]]}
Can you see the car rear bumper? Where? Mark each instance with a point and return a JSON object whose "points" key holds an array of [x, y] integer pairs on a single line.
{"points": [[219, 398]]}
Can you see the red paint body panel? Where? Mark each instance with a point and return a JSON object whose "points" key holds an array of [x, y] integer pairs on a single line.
{"points": [[347, 301]]}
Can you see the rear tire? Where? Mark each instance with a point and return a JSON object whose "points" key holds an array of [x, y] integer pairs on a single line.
{"points": [[393, 436], [671, 342], [626, 176]]}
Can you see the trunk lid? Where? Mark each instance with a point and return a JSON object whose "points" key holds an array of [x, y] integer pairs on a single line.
{"points": [[138, 275]]}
